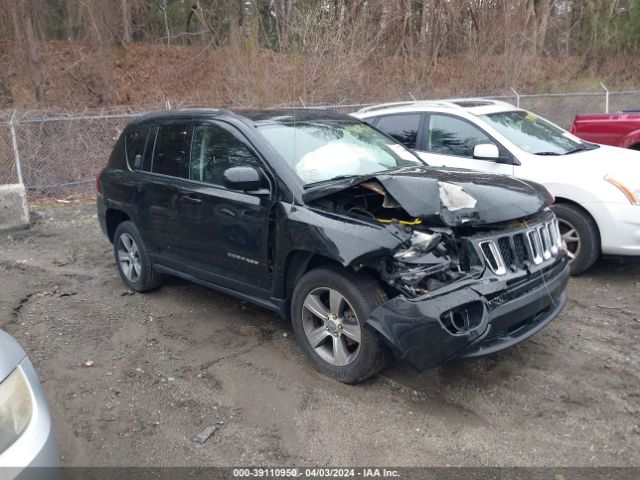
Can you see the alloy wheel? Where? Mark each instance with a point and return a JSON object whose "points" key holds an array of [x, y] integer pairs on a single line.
{"points": [[129, 257], [571, 237], [331, 326]]}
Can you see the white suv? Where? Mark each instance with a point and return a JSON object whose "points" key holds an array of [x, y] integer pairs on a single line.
{"points": [[597, 188]]}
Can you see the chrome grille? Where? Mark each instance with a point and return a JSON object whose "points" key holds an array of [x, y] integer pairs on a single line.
{"points": [[520, 249], [533, 246], [507, 252]]}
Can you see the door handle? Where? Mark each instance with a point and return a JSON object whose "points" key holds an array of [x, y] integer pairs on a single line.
{"points": [[228, 212], [192, 200]]}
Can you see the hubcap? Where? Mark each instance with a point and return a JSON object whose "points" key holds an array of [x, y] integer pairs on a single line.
{"points": [[571, 237], [129, 257], [331, 326]]}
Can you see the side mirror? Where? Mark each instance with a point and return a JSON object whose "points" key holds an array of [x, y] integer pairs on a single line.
{"points": [[243, 178], [486, 151]]}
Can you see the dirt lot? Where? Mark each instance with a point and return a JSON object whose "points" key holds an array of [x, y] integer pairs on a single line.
{"points": [[170, 363]]}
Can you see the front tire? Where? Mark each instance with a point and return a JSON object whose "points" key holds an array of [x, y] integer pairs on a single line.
{"points": [[134, 265], [580, 233], [328, 311]]}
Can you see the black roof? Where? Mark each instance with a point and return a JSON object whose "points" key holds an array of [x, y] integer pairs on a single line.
{"points": [[281, 115], [287, 115]]}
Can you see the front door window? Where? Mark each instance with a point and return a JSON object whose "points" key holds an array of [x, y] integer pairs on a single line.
{"points": [[448, 135]]}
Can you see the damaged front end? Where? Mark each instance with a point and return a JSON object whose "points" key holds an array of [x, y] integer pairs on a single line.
{"points": [[476, 272], [427, 261]]}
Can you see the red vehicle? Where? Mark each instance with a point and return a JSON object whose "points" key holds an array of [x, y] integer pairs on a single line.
{"points": [[617, 129]]}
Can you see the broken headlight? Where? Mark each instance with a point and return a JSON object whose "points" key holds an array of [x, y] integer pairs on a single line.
{"points": [[427, 262], [420, 243], [16, 408]]}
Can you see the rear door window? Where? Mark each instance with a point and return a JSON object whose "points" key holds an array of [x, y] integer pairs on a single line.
{"points": [[214, 149], [403, 127], [170, 151]]}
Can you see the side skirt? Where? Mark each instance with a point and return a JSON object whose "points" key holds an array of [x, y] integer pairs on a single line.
{"points": [[275, 305]]}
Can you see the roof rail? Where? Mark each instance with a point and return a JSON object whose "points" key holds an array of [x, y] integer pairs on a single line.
{"points": [[401, 104], [488, 100], [445, 102], [379, 106]]}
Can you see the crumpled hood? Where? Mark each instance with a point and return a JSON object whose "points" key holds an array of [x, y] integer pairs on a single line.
{"points": [[453, 197]]}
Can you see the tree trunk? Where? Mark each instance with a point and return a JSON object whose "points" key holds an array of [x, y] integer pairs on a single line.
{"points": [[544, 9], [126, 23], [22, 15], [100, 38], [283, 13]]}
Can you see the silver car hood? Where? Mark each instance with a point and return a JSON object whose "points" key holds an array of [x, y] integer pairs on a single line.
{"points": [[11, 354]]}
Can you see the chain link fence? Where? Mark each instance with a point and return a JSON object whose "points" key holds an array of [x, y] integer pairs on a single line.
{"points": [[58, 155]]}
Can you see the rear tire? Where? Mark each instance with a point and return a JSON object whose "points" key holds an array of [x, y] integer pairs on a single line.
{"points": [[132, 260], [581, 234], [635, 147], [328, 311]]}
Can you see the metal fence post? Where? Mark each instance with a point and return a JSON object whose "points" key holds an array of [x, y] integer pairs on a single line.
{"points": [[517, 97], [606, 98], [14, 142]]}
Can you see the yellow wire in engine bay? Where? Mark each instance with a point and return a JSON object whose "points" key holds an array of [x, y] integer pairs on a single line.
{"points": [[415, 221]]}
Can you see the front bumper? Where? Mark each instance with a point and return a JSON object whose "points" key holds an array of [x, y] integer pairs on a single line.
{"points": [[619, 226], [503, 315], [35, 454]]}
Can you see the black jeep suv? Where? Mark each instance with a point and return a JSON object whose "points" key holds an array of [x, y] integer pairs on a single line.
{"points": [[336, 226]]}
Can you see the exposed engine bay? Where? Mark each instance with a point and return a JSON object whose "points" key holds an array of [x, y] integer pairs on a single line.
{"points": [[432, 257]]}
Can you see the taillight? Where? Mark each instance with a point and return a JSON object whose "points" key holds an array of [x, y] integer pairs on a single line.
{"points": [[98, 181]]}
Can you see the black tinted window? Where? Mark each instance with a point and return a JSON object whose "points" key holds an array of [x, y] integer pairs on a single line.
{"points": [[453, 136], [404, 128], [213, 150], [169, 153], [135, 143]]}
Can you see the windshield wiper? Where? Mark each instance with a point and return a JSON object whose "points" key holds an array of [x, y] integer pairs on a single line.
{"points": [[337, 178], [582, 148]]}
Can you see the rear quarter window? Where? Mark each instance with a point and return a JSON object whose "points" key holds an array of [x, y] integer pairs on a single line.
{"points": [[117, 159], [135, 142]]}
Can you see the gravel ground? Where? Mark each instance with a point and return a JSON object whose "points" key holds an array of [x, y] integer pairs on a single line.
{"points": [[168, 364]]}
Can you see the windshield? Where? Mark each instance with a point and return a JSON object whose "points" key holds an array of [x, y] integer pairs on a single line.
{"points": [[321, 151], [534, 134]]}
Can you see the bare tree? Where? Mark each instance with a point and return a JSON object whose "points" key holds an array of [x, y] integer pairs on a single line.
{"points": [[126, 22], [99, 30], [283, 9], [23, 13]]}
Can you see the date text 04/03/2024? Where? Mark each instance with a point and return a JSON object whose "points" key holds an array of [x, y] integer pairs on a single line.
{"points": [[315, 472]]}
